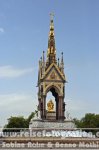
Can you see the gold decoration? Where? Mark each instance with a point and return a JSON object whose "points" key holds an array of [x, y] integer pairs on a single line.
{"points": [[50, 106], [52, 76]]}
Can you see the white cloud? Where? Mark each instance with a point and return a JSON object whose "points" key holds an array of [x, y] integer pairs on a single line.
{"points": [[78, 108], [1, 30], [16, 104], [12, 98], [11, 72], [15, 99]]}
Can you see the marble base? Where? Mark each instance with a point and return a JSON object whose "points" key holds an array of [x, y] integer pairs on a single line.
{"points": [[51, 115], [67, 124]]}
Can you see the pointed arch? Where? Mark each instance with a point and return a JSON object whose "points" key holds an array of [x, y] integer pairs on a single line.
{"points": [[52, 86]]}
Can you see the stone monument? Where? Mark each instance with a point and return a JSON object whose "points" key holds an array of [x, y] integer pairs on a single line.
{"points": [[51, 77]]}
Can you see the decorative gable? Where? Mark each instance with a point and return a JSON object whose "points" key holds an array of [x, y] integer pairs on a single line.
{"points": [[53, 74]]}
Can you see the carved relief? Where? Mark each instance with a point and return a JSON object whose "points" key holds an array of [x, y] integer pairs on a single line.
{"points": [[53, 76], [59, 85]]}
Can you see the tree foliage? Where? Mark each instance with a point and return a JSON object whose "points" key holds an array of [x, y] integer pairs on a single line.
{"points": [[16, 122], [19, 122], [30, 117], [88, 121]]}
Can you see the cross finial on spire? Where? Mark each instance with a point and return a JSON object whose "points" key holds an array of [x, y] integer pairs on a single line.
{"points": [[52, 15]]}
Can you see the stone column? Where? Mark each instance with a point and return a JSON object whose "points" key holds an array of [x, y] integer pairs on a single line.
{"points": [[39, 106], [44, 107], [57, 109], [60, 109]]}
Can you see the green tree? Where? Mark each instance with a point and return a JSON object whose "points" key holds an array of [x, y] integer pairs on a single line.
{"points": [[78, 123], [15, 123], [19, 122], [88, 121], [30, 117]]}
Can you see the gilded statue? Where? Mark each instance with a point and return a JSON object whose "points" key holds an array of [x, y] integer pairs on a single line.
{"points": [[50, 106]]}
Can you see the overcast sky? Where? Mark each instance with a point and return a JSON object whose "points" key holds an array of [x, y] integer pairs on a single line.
{"points": [[24, 28]]}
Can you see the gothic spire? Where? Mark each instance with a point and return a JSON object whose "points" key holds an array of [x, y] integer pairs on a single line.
{"points": [[43, 57], [43, 63], [51, 52], [62, 64]]}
